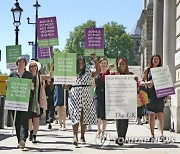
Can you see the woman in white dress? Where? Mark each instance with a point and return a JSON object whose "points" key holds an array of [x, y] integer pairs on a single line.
{"points": [[80, 102]]}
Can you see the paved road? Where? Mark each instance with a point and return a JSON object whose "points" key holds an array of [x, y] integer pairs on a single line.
{"points": [[56, 141]]}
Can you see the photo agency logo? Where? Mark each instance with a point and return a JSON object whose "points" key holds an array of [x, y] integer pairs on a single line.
{"points": [[104, 140]]}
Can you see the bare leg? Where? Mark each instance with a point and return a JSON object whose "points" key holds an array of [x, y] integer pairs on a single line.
{"points": [[152, 123], [83, 127], [64, 117], [161, 121], [104, 124], [35, 128], [30, 125], [35, 125], [30, 129], [99, 121], [75, 133], [59, 115]]}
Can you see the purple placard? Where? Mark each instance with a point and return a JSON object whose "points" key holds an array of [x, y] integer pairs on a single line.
{"points": [[43, 52], [165, 92], [46, 28], [94, 38]]}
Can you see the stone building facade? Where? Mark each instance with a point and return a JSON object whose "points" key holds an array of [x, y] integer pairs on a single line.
{"points": [[175, 99], [146, 24], [160, 24], [136, 36]]}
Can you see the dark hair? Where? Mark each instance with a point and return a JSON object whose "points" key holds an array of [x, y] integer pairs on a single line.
{"points": [[103, 58], [151, 61], [77, 70], [127, 69], [21, 58]]}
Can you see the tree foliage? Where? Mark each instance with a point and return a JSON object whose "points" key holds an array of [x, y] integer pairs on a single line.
{"points": [[117, 42], [75, 43]]}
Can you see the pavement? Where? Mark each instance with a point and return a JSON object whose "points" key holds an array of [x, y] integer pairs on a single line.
{"points": [[57, 141]]}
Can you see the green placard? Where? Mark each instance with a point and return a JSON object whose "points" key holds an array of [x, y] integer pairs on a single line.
{"points": [[99, 52], [64, 67], [17, 95], [48, 42], [12, 53]]}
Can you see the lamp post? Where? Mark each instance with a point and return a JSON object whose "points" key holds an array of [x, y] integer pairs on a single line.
{"points": [[31, 43], [37, 6], [16, 11]]}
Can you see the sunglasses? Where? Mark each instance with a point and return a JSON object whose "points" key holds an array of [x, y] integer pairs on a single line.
{"points": [[33, 66]]}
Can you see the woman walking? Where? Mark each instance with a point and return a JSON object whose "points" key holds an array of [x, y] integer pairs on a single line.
{"points": [[21, 121], [80, 102], [37, 105], [155, 106], [61, 105], [100, 98], [121, 124]]}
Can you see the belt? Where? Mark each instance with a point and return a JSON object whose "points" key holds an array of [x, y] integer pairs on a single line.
{"points": [[81, 86]]}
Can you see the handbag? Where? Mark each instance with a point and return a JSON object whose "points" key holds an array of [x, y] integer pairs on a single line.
{"points": [[142, 98]]}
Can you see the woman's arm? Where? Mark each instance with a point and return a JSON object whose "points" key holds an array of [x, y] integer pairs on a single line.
{"points": [[97, 66], [94, 82], [144, 81]]}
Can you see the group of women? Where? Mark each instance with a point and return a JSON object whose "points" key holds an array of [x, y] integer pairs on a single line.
{"points": [[81, 107]]}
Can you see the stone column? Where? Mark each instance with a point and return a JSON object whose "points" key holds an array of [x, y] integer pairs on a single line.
{"points": [[144, 3], [169, 48], [157, 47], [175, 99], [169, 35]]}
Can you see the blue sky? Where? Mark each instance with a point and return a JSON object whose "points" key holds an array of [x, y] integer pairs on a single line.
{"points": [[69, 14]]}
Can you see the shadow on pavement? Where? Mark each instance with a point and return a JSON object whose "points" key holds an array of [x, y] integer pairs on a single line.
{"points": [[55, 142], [7, 148], [125, 146], [54, 136], [150, 146], [4, 136], [46, 149], [109, 147]]}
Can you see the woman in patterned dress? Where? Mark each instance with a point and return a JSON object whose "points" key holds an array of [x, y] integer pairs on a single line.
{"points": [[80, 102]]}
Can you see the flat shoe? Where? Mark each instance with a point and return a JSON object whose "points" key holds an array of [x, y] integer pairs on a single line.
{"points": [[22, 144], [83, 141]]}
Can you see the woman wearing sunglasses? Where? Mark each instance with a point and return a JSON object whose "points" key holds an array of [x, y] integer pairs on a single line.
{"points": [[38, 103]]}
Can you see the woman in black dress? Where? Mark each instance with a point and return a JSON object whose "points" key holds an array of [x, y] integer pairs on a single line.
{"points": [[100, 98], [156, 105]]}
